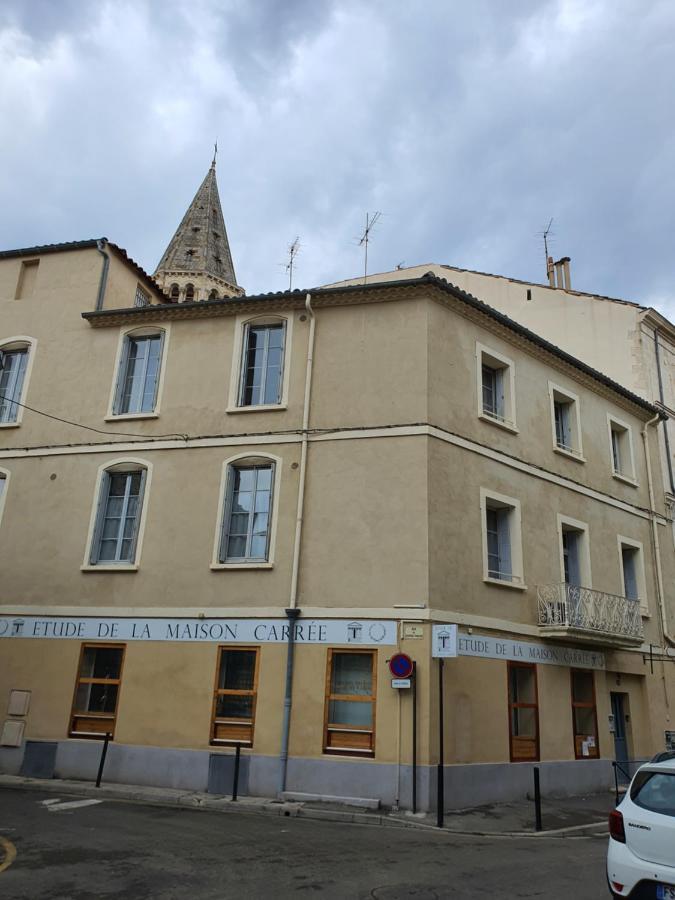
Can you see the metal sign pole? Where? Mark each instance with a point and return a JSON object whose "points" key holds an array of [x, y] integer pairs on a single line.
{"points": [[440, 799], [414, 738]]}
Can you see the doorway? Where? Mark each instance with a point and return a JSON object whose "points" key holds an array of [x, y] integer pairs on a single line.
{"points": [[619, 703]]}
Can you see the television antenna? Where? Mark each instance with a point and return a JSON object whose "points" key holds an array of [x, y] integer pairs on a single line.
{"points": [[546, 233], [371, 221], [293, 250]]}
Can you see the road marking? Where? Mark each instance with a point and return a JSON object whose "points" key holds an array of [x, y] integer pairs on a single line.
{"points": [[49, 802], [10, 853], [73, 804]]}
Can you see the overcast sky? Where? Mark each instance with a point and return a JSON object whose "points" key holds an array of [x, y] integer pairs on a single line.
{"points": [[468, 125]]}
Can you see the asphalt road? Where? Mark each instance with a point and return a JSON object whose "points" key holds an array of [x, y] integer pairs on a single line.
{"points": [[124, 850]]}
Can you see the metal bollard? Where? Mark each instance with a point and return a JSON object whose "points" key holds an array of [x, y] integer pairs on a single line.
{"points": [[106, 740], [616, 783], [537, 800], [235, 780]]}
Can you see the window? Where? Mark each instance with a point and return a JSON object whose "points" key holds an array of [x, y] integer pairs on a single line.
{"points": [[654, 791], [139, 374], [502, 546], [118, 517], [631, 562], [350, 703], [262, 365], [575, 558], [566, 421], [234, 699], [13, 365], [523, 712], [189, 292], [496, 400], [621, 448], [248, 507], [142, 297], [174, 292], [25, 286], [584, 717], [97, 690], [213, 294]]}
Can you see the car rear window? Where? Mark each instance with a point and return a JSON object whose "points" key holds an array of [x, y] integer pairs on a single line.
{"points": [[654, 791]]}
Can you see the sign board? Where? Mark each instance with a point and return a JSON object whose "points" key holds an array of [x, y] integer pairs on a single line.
{"points": [[401, 682], [443, 641], [412, 631], [524, 651], [200, 631], [401, 666]]}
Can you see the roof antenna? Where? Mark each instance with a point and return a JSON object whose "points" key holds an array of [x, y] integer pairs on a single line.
{"points": [[371, 221], [546, 233], [293, 250]]}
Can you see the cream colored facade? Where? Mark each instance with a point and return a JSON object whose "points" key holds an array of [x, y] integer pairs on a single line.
{"points": [[385, 472]]}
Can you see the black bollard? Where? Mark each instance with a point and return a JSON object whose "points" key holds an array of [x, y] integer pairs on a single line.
{"points": [[235, 780], [103, 755], [537, 800]]}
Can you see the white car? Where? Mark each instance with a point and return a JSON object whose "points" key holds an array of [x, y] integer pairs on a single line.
{"points": [[641, 852]]}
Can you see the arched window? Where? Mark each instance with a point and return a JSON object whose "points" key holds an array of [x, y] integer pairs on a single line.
{"points": [[213, 295], [118, 514], [189, 292], [247, 508], [14, 364], [174, 291]]}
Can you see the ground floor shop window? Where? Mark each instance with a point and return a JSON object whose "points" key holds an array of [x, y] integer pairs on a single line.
{"points": [[350, 703], [234, 697], [523, 712], [97, 690], [584, 716]]}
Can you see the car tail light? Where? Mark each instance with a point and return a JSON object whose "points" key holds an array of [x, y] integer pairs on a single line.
{"points": [[617, 886], [616, 829]]}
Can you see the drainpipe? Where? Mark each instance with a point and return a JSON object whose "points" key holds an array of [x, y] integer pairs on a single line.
{"points": [[665, 427], [292, 612], [655, 535], [104, 273]]}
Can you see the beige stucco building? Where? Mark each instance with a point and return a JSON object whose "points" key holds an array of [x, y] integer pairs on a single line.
{"points": [[187, 485]]}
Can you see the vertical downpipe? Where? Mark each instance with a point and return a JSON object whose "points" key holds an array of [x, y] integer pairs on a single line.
{"points": [[104, 273], [292, 612]]}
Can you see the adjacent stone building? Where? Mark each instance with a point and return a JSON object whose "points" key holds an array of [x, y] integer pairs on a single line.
{"points": [[219, 520]]}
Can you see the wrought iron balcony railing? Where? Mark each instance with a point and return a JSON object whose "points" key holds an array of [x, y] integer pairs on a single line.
{"points": [[567, 609]]}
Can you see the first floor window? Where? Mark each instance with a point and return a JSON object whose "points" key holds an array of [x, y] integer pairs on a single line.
{"points": [[498, 543], [97, 690], [234, 699], [350, 703], [13, 365], [584, 717], [262, 365], [139, 374], [523, 712], [246, 520], [118, 517]]}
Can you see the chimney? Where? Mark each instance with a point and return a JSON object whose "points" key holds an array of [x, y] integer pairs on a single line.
{"points": [[559, 273]]}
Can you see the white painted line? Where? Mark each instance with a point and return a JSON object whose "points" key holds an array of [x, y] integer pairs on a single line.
{"points": [[48, 802], [73, 804]]}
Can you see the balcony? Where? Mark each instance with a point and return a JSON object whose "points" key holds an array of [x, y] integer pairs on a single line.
{"points": [[583, 614]]}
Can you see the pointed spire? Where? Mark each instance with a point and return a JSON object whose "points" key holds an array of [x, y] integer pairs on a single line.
{"points": [[199, 252]]}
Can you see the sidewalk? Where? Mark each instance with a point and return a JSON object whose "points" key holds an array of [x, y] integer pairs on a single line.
{"points": [[565, 817]]}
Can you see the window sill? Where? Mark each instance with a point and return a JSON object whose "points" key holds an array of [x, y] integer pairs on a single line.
{"points": [[500, 582], [507, 426], [570, 454], [261, 407], [625, 479], [109, 568], [10, 424], [122, 417], [216, 567], [644, 612]]}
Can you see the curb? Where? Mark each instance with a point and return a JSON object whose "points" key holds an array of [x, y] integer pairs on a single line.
{"points": [[172, 798]]}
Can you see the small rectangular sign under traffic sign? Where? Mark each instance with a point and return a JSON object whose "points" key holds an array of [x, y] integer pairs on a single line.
{"points": [[400, 682]]}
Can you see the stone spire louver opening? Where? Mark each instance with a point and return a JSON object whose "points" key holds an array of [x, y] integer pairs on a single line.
{"points": [[197, 264]]}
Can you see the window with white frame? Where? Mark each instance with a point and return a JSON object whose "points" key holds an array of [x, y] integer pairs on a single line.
{"points": [[502, 545], [621, 448], [566, 421], [496, 394], [247, 512], [118, 517], [631, 562], [139, 374], [262, 368], [575, 559], [13, 366]]}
